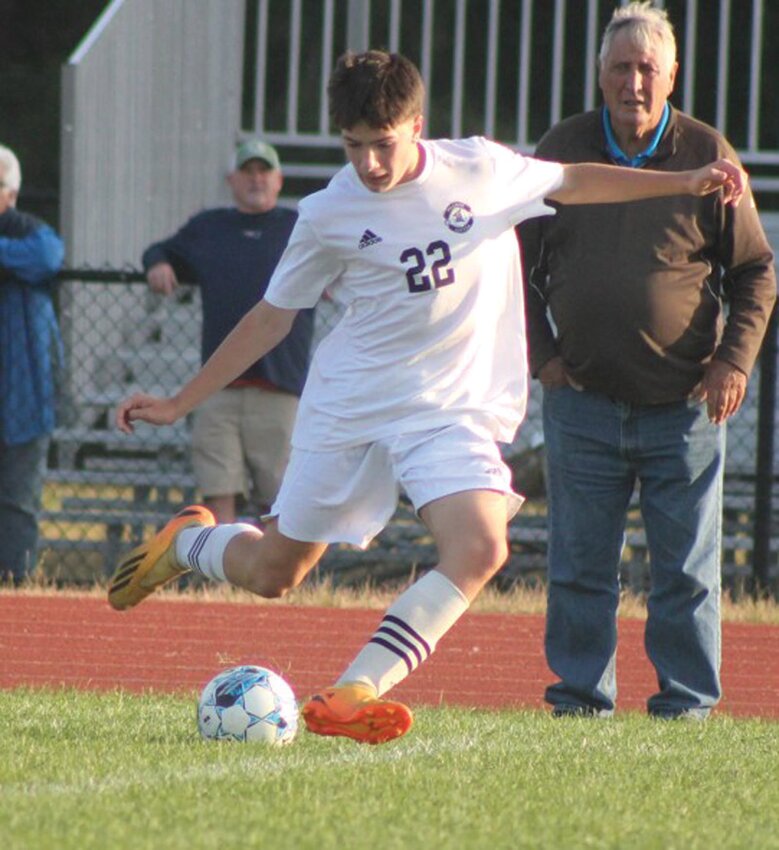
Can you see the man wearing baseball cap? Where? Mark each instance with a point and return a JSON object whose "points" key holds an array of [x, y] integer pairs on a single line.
{"points": [[240, 440], [257, 149]]}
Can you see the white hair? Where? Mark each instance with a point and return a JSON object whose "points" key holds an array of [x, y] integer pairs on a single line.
{"points": [[11, 170], [644, 23]]}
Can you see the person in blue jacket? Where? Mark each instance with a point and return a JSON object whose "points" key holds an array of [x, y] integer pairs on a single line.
{"points": [[244, 431], [31, 253]]}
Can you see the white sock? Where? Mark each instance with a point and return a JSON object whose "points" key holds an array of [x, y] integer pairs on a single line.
{"points": [[202, 549], [408, 634]]}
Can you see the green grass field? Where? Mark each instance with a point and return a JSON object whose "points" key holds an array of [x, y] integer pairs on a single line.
{"points": [[90, 770]]}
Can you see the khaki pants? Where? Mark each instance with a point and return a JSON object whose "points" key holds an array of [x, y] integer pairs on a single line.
{"points": [[240, 438]]}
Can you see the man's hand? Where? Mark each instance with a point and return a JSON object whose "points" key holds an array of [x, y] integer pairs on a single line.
{"points": [[161, 278], [723, 388], [553, 375], [722, 174], [145, 408]]}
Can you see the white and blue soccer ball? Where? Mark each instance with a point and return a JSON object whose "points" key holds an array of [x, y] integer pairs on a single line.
{"points": [[248, 703]]}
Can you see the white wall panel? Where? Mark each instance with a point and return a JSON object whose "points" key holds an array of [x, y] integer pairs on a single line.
{"points": [[151, 111]]}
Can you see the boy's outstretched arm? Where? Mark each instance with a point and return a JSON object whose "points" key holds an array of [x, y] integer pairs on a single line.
{"points": [[260, 330], [594, 183]]}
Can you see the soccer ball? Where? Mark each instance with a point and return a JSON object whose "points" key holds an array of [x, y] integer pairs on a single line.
{"points": [[248, 704]]}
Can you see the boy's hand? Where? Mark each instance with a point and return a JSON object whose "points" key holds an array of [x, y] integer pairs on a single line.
{"points": [[722, 174], [142, 407]]}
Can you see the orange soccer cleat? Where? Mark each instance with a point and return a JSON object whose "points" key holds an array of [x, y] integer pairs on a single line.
{"points": [[355, 711], [153, 564]]}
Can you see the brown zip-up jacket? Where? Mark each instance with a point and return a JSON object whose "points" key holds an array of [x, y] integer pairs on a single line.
{"points": [[643, 294]]}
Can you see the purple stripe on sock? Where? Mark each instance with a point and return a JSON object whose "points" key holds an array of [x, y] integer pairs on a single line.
{"points": [[400, 639], [389, 618], [195, 550], [392, 648]]}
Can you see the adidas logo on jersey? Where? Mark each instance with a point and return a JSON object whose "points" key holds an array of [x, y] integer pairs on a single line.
{"points": [[368, 238]]}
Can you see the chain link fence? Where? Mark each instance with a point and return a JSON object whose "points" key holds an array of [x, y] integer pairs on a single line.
{"points": [[106, 491]]}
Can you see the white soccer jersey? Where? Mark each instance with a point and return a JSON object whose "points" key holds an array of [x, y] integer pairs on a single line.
{"points": [[434, 329]]}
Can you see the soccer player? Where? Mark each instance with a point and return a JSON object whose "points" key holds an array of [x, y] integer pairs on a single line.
{"points": [[423, 374]]}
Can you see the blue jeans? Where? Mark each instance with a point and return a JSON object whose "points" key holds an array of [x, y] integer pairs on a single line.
{"points": [[22, 470], [597, 450]]}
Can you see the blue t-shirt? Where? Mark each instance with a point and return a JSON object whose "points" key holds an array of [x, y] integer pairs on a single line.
{"points": [[231, 256]]}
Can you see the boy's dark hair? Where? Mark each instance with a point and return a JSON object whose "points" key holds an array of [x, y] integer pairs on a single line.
{"points": [[376, 88]]}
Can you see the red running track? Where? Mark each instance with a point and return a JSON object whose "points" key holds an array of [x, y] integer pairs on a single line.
{"points": [[486, 661]]}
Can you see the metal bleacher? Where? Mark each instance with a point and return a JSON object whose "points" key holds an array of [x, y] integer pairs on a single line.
{"points": [[106, 490]]}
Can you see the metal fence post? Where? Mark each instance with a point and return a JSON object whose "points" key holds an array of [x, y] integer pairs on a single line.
{"points": [[764, 463], [358, 25]]}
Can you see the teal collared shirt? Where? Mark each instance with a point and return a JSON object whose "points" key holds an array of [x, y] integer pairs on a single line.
{"points": [[618, 156]]}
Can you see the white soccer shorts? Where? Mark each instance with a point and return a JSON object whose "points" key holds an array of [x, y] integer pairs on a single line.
{"points": [[349, 495]]}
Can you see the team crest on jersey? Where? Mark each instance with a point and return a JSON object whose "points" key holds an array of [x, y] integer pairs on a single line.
{"points": [[458, 217]]}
